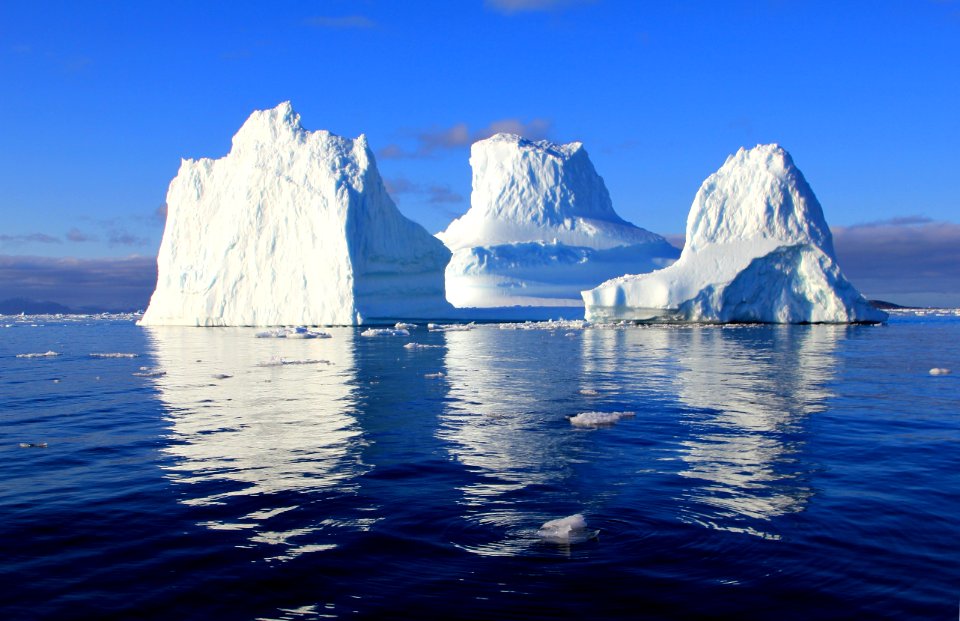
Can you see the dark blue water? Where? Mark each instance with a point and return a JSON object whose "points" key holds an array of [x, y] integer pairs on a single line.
{"points": [[791, 472]]}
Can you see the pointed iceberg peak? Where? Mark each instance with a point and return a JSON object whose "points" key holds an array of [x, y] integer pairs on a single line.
{"points": [[757, 195], [268, 126]]}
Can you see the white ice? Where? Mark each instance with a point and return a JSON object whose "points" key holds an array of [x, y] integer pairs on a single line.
{"points": [[291, 227], [598, 419], [571, 529], [758, 249], [541, 227]]}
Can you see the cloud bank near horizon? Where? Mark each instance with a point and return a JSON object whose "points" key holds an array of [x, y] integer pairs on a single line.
{"points": [[911, 260]]}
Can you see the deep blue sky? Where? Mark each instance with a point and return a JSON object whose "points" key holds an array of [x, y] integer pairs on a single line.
{"points": [[101, 100]]}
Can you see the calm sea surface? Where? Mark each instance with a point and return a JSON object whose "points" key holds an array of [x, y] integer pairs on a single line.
{"points": [[769, 472]]}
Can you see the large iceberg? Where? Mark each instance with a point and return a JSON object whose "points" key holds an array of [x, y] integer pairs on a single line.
{"points": [[541, 228], [291, 227], [758, 249]]}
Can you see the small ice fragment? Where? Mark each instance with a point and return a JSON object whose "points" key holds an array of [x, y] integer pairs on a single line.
{"points": [[589, 392], [437, 375], [279, 333], [420, 346], [33, 445], [384, 332], [939, 371], [277, 361], [571, 529], [46, 354], [114, 355], [405, 326], [148, 372], [598, 419]]}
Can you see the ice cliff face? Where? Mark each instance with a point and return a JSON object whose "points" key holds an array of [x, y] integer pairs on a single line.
{"points": [[291, 227], [541, 227], [758, 249]]}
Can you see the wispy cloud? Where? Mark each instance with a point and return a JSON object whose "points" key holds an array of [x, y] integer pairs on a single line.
{"points": [[430, 142], [344, 22], [76, 235], [121, 237], [509, 7], [119, 283], [29, 238], [438, 194]]}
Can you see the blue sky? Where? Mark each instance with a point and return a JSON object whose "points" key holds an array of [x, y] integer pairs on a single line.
{"points": [[101, 100]]}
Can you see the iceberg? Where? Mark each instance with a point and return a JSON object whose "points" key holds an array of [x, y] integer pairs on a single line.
{"points": [[291, 227], [541, 227], [758, 249]]}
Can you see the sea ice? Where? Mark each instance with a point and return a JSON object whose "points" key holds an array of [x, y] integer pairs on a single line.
{"points": [[540, 228], [46, 354], [420, 346], [571, 529], [758, 249], [939, 371], [114, 355], [291, 227], [599, 419], [372, 332]]}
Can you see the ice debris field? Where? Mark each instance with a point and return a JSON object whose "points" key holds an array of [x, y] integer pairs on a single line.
{"points": [[295, 227]]}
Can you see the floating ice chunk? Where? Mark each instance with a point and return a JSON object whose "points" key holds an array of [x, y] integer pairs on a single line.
{"points": [[46, 354], [589, 392], [452, 327], [149, 372], [292, 333], [437, 375], [371, 332], [277, 361], [571, 529], [279, 333], [114, 355], [598, 419], [420, 346], [939, 371], [33, 445], [405, 326]]}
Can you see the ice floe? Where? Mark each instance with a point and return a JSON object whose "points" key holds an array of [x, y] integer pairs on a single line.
{"points": [[46, 354], [599, 419], [374, 332], [939, 371], [421, 346], [571, 529], [113, 355]]}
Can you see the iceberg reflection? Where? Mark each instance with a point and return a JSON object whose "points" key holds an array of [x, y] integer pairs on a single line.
{"points": [[751, 389], [259, 427], [505, 423]]}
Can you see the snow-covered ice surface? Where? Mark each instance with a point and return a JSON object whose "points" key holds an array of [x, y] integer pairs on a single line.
{"points": [[374, 332], [758, 249], [541, 228], [292, 227], [571, 529]]}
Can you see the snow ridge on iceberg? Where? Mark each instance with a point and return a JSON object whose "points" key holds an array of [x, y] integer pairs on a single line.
{"points": [[758, 249], [291, 227], [540, 228]]}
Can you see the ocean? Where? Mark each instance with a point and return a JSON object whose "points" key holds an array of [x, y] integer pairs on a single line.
{"points": [[748, 472]]}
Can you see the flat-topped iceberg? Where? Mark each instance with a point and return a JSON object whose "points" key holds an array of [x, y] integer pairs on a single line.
{"points": [[758, 249], [292, 227], [541, 227]]}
